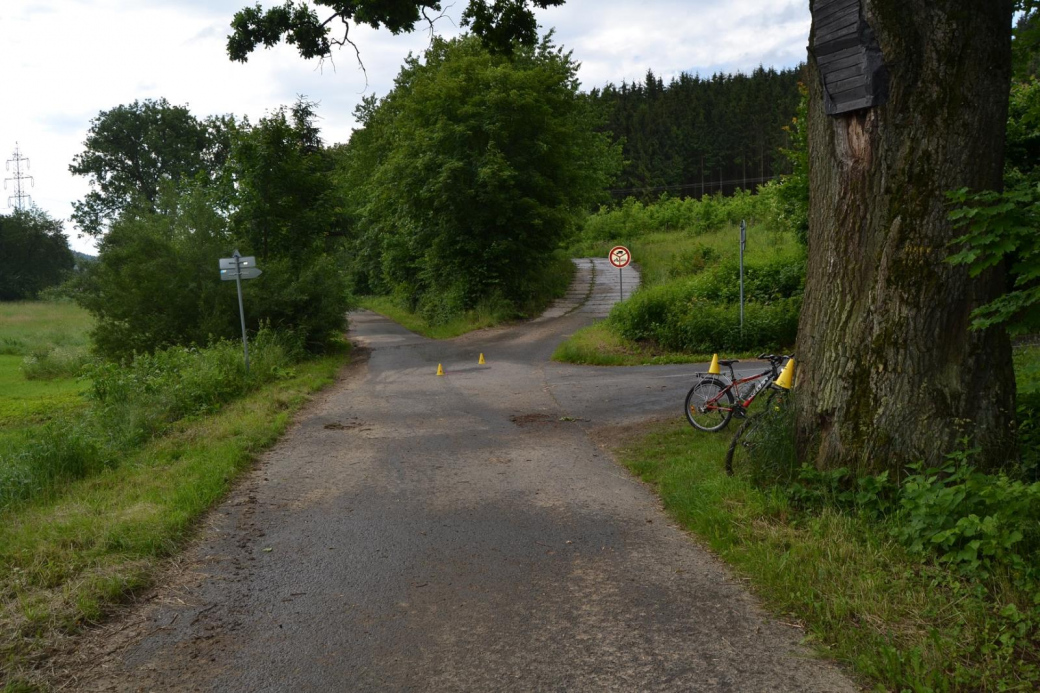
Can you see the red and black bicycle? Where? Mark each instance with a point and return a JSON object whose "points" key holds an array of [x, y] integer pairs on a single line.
{"points": [[716, 399]]}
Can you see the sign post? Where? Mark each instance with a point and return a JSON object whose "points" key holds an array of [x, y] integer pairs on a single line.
{"points": [[620, 257], [238, 268], [743, 242]]}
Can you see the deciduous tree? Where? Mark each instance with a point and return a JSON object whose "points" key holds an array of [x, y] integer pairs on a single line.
{"points": [[890, 371]]}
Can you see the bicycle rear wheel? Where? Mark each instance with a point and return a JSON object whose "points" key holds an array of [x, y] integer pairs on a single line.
{"points": [[709, 405]]}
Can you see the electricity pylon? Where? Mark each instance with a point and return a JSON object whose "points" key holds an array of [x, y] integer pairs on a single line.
{"points": [[20, 198]]}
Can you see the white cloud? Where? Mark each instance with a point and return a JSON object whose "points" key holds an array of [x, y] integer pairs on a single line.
{"points": [[63, 61]]}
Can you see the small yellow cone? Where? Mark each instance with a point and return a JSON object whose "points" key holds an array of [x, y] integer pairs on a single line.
{"points": [[440, 369], [481, 360], [714, 369], [786, 376]]}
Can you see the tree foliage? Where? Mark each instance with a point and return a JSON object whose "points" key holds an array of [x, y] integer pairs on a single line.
{"points": [[34, 254], [131, 151], [1001, 226], [470, 173], [697, 136], [501, 24], [156, 282]]}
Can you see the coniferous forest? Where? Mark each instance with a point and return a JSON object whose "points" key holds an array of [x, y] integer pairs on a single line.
{"points": [[695, 136]]}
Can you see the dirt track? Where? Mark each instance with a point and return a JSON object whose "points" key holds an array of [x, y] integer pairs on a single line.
{"points": [[465, 532]]}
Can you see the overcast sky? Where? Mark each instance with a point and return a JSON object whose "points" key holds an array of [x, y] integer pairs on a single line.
{"points": [[63, 61]]}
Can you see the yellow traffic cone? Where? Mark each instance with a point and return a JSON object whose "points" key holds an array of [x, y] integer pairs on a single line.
{"points": [[440, 369], [786, 378], [481, 361], [714, 369]]}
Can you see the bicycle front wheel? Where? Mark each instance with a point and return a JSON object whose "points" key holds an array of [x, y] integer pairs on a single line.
{"points": [[754, 438], [740, 448], [709, 405]]}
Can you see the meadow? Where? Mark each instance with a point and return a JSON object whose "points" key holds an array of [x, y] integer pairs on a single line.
{"points": [[106, 468]]}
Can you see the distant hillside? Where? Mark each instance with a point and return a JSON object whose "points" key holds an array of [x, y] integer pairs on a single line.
{"points": [[83, 258]]}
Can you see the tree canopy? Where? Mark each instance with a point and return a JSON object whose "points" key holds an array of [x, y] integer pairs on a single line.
{"points": [[132, 150], [470, 173], [34, 254], [501, 24]]}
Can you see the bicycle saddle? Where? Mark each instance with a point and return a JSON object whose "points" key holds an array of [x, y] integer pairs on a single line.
{"points": [[728, 362]]}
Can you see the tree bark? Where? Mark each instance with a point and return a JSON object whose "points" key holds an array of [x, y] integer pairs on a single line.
{"points": [[889, 371]]}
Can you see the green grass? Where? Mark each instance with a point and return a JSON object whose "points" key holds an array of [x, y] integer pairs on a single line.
{"points": [[656, 253], [486, 314], [29, 402], [599, 345], [37, 327], [29, 325], [658, 258], [1027, 368], [861, 597], [899, 621], [477, 319], [65, 561]]}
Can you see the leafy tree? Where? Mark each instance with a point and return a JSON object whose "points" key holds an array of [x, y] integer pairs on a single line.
{"points": [[283, 193], [889, 373], [471, 172], [500, 23], [156, 282], [34, 254], [132, 151]]}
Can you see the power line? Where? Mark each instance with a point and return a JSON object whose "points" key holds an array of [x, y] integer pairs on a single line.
{"points": [[20, 197]]}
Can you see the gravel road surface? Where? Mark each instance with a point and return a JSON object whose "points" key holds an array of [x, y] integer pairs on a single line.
{"points": [[457, 533]]}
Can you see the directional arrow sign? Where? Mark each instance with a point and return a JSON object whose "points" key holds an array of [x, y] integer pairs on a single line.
{"points": [[230, 275], [228, 263]]}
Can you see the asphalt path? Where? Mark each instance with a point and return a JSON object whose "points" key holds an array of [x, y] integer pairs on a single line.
{"points": [[465, 532]]}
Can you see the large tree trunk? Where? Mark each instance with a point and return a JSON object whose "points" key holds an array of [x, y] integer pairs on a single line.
{"points": [[889, 371]]}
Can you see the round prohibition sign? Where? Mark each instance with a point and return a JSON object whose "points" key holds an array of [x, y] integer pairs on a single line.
{"points": [[620, 256]]}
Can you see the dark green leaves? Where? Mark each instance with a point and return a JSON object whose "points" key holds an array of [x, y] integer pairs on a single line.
{"points": [[471, 172], [501, 23], [1002, 227]]}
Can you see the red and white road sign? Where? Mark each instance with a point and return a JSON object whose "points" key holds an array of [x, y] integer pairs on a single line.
{"points": [[619, 256]]}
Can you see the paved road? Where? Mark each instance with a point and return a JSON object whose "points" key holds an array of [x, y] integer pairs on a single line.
{"points": [[457, 533]]}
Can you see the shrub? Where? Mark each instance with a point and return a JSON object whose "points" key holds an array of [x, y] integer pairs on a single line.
{"points": [[130, 403], [693, 261], [702, 313], [50, 362]]}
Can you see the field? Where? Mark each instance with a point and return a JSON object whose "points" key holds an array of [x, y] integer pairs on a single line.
{"points": [[123, 480], [39, 332]]}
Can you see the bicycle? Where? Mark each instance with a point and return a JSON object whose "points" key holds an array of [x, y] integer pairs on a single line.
{"points": [[755, 431], [710, 404]]}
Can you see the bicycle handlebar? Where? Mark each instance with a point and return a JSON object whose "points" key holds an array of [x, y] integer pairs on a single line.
{"points": [[772, 357]]}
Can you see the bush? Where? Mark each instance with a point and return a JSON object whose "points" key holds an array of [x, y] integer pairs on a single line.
{"points": [[693, 261], [50, 362], [130, 403], [150, 259], [702, 314], [633, 219]]}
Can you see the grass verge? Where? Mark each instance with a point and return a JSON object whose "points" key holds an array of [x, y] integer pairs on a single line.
{"points": [[477, 319], [901, 620], [862, 599], [65, 561], [486, 314], [599, 345]]}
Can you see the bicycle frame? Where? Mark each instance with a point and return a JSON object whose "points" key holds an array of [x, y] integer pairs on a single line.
{"points": [[734, 386]]}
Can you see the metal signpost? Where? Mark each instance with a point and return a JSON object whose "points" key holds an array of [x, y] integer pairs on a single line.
{"points": [[620, 257], [743, 242], [238, 268]]}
